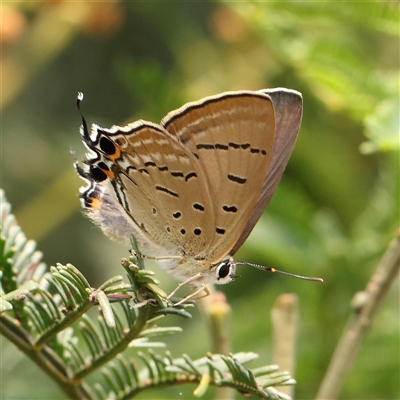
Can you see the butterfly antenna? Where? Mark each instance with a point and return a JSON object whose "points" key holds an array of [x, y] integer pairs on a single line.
{"points": [[271, 269], [85, 131]]}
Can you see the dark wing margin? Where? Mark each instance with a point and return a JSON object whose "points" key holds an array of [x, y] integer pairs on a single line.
{"points": [[288, 108]]}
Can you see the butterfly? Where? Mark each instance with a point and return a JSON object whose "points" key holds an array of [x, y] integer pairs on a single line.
{"points": [[191, 189]]}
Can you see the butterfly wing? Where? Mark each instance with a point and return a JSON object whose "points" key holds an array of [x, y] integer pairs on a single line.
{"points": [[232, 136], [288, 107], [142, 181], [195, 185]]}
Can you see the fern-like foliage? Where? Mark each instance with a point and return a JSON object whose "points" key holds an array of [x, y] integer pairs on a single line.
{"points": [[44, 312]]}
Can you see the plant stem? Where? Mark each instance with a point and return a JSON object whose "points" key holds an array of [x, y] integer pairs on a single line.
{"points": [[121, 346], [60, 326], [360, 322], [45, 358]]}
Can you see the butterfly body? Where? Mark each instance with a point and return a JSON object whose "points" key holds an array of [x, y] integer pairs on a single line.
{"points": [[191, 188]]}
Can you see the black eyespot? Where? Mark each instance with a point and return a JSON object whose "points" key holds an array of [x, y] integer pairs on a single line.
{"points": [[223, 270], [98, 174], [197, 231], [107, 146]]}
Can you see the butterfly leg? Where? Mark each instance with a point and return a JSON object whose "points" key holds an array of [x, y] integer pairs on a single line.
{"points": [[142, 303], [193, 296], [144, 257], [191, 279]]}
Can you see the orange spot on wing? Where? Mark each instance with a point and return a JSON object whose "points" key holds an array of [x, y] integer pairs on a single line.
{"points": [[95, 203]]}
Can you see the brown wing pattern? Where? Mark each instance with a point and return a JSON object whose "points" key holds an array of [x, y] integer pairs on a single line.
{"points": [[159, 183], [288, 106], [232, 136]]}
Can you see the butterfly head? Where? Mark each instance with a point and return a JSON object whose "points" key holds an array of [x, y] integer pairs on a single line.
{"points": [[224, 271]]}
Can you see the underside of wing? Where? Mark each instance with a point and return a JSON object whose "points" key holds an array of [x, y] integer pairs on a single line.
{"points": [[232, 136], [288, 108], [158, 184]]}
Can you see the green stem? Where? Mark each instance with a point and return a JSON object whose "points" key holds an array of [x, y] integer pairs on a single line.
{"points": [[63, 324], [45, 358], [115, 349]]}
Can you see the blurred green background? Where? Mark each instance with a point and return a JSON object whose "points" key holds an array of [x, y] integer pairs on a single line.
{"points": [[333, 214]]}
